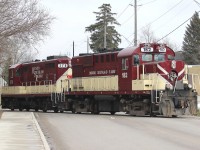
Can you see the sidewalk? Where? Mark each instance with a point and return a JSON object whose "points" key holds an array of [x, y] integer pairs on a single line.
{"points": [[20, 131]]}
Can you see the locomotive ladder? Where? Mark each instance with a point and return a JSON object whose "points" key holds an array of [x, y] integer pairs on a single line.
{"points": [[57, 98], [154, 94]]}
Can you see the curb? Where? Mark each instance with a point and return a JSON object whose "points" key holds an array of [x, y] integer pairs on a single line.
{"points": [[46, 145]]}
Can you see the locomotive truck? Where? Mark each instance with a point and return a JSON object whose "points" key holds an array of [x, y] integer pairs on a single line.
{"points": [[142, 80]]}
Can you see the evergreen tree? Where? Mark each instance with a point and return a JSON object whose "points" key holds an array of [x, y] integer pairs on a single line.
{"points": [[191, 43], [104, 24]]}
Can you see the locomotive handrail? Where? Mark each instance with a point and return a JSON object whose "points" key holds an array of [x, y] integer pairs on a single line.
{"points": [[193, 84], [46, 82]]}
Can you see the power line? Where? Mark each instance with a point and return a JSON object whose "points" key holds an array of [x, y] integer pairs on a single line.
{"points": [[148, 3], [166, 23], [174, 29], [134, 13], [124, 9], [161, 15], [164, 13], [197, 3]]}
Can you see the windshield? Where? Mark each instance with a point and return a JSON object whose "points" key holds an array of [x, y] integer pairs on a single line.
{"points": [[159, 57], [146, 57]]}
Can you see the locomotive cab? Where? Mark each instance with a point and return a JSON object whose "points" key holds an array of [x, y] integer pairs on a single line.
{"points": [[156, 79], [14, 75]]}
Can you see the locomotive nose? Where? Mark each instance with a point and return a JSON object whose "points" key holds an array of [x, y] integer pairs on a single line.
{"points": [[171, 70], [173, 75]]}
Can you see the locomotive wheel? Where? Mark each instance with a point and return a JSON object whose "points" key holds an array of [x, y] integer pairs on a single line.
{"points": [[73, 108], [61, 111], [55, 109], [112, 112]]}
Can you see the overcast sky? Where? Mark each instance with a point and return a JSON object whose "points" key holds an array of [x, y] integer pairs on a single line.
{"points": [[72, 16]]}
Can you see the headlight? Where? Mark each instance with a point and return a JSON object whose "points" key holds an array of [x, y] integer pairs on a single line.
{"points": [[189, 86], [169, 86]]}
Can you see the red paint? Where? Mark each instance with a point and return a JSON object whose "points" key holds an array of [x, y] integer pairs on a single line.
{"points": [[39, 72]]}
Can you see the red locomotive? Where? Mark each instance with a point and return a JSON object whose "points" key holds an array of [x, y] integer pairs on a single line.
{"points": [[143, 80], [33, 84]]}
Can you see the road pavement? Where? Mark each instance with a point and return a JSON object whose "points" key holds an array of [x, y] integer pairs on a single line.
{"points": [[68, 131]]}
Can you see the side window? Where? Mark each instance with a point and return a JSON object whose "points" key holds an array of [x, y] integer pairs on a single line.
{"points": [[135, 59], [18, 73], [124, 63], [11, 73]]}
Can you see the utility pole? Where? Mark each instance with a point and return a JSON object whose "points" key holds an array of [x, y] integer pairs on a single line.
{"points": [[135, 35], [73, 48], [88, 45]]}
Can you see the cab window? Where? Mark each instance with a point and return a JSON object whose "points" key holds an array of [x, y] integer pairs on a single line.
{"points": [[18, 73], [159, 57], [124, 63], [135, 59], [146, 57], [11, 73]]}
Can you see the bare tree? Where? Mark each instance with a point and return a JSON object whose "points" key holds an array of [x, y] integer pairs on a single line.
{"points": [[147, 35], [172, 45], [22, 24]]}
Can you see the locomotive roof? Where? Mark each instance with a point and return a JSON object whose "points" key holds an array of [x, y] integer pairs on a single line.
{"points": [[153, 47], [38, 62], [127, 51], [14, 66], [50, 60]]}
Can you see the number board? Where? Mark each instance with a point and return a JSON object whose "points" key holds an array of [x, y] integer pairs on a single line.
{"points": [[162, 49], [147, 49], [62, 65]]}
